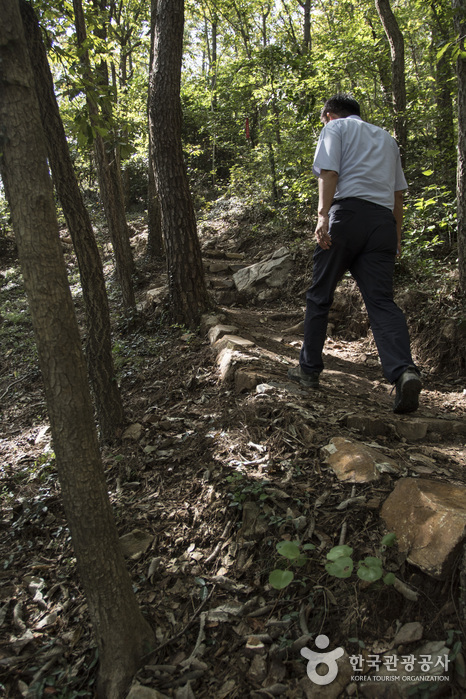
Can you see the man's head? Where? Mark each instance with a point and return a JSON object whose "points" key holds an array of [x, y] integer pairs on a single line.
{"points": [[338, 107]]}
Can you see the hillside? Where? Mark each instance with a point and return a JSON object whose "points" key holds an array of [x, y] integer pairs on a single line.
{"points": [[223, 458]]}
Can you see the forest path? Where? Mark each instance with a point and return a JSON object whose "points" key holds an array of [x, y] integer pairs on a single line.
{"points": [[216, 473]]}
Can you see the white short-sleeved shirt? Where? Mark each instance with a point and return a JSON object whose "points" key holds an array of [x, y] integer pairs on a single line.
{"points": [[366, 158]]}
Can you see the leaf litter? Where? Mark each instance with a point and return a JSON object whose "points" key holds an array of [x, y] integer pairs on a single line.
{"points": [[203, 486]]}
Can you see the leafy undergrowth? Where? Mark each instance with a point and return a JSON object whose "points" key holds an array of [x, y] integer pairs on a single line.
{"points": [[214, 481]]}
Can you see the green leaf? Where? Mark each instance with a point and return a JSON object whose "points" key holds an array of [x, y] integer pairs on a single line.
{"points": [[308, 547], [427, 173], [279, 579], [342, 567], [441, 52], [389, 579], [339, 552], [288, 549], [370, 569], [388, 540]]}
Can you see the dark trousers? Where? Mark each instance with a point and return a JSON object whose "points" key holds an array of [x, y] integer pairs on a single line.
{"points": [[364, 242]]}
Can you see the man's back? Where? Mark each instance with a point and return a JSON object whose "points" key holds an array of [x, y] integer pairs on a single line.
{"points": [[366, 158]]}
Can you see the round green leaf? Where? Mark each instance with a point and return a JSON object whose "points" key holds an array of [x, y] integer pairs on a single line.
{"points": [[389, 579], [372, 562], [289, 549], [340, 568], [339, 552], [279, 579], [370, 569]]}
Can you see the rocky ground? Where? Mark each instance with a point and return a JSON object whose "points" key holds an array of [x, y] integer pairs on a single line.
{"points": [[223, 459]]}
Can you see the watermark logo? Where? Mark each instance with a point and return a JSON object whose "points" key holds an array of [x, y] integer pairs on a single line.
{"points": [[374, 667], [314, 659]]}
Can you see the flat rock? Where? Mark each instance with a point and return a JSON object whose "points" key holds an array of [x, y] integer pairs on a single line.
{"points": [[219, 330], [414, 429], [356, 462], [216, 267], [429, 520], [233, 342], [273, 272], [409, 633], [228, 361], [369, 425]]}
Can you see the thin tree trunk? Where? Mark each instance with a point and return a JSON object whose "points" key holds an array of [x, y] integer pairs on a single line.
{"points": [[306, 5], [108, 402], [395, 38], [459, 8], [111, 188], [444, 116], [155, 246], [123, 636], [187, 288]]}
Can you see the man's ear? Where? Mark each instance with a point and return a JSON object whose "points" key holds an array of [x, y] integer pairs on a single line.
{"points": [[331, 116]]}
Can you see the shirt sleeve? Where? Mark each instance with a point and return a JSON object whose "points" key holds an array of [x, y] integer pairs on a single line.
{"points": [[328, 150], [400, 179]]}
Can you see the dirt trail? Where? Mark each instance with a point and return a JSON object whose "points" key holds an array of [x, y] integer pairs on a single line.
{"points": [[214, 479]]}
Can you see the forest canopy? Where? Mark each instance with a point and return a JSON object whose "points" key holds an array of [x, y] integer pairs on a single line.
{"points": [[255, 75]]}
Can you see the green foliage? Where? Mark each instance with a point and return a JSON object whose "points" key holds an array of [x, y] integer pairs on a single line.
{"points": [[243, 488], [339, 564], [429, 226]]}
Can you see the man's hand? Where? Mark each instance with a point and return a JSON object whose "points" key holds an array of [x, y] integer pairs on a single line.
{"points": [[321, 232], [327, 186]]}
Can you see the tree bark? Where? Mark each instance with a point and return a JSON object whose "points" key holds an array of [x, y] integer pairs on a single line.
{"points": [[459, 18], [108, 402], [395, 38], [122, 634], [187, 288], [306, 5], [155, 248], [444, 116], [109, 175]]}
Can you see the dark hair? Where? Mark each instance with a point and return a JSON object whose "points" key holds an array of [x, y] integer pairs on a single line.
{"points": [[342, 104]]}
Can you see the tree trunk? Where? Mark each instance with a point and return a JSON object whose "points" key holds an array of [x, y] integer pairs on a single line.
{"points": [[459, 8], [187, 288], [109, 175], [123, 636], [155, 247], [98, 343], [444, 115], [395, 38], [306, 5]]}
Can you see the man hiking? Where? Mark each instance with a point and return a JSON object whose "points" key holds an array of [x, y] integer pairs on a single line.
{"points": [[360, 213]]}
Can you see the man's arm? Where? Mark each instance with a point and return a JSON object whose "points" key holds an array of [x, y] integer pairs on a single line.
{"points": [[398, 214], [327, 185]]}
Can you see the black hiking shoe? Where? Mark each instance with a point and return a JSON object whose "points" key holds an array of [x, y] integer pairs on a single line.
{"points": [[408, 387], [300, 376]]}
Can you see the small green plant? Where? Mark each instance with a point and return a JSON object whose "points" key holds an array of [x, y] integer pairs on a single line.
{"points": [[291, 551], [340, 563], [243, 488]]}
